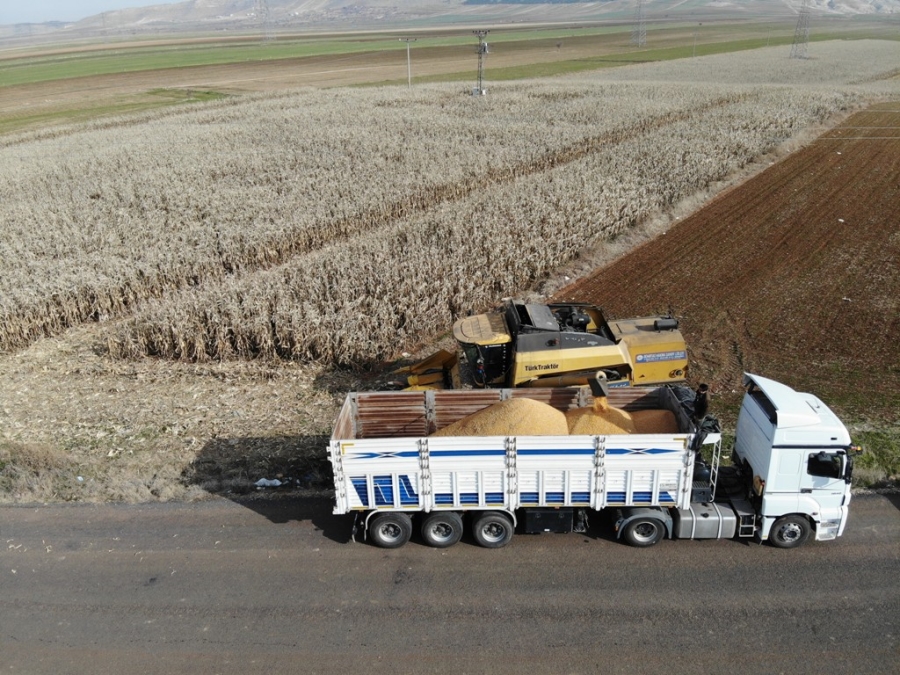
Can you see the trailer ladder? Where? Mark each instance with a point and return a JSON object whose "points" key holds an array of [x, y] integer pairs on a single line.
{"points": [[714, 469]]}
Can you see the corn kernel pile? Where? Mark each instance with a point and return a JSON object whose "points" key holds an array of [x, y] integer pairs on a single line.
{"points": [[527, 417]]}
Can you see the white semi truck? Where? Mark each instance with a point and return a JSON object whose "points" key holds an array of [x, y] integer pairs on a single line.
{"points": [[790, 474]]}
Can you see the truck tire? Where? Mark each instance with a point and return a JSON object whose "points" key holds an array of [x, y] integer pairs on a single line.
{"points": [[442, 529], [492, 529], [390, 530], [643, 532], [789, 532]]}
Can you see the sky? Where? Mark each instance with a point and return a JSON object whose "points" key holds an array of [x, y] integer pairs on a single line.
{"points": [[38, 11]]}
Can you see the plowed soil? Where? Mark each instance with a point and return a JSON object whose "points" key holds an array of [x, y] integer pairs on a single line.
{"points": [[794, 275]]}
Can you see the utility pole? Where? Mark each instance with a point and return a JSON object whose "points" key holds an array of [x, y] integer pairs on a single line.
{"points": [[262, 9], [639, 30], [408, 66], [801, 33], [482, 51]]}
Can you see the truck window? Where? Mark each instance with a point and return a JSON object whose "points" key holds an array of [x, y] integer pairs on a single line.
{"points": [[823, 464]]}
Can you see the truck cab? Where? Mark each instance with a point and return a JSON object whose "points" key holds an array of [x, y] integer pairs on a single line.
{"points": [[800, 457]]}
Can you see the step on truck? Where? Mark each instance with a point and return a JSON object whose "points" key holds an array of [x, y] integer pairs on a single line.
{"points": [[789, 476]]}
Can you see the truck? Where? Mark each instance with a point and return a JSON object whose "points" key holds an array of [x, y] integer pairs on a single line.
{"points": [[523, 344], [789, 477]]}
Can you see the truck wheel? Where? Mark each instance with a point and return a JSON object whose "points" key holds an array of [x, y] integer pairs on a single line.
{"points": [[390, 530], [644, 532], [789, 532], [492, 529], [442, 529]]}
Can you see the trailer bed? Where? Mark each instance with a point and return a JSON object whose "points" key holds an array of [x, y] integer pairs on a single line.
{"points": [[383, 458]]}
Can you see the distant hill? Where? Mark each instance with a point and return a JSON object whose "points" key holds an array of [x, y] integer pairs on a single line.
{"points": [[194, 16]]}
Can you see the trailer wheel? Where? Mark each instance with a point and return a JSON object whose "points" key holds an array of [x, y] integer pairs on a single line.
{"points": [[492, 529], [643, 532], [789, 532], [390, 530], [442, 529]]}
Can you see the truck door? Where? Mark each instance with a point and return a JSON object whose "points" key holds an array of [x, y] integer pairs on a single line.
{"points": [[823, 480]]}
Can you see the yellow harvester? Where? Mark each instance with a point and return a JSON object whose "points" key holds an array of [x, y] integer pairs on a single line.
{"points": [[533, 345]]}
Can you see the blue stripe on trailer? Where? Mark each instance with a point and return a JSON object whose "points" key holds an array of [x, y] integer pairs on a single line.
{"points": [[555, 498], [581, 497], [615, 498], [528, 497], [387, 454], [466, 453], [359, 484], [384, 490], [640, 451], [408, 496], [550, 451], [468, 498]]}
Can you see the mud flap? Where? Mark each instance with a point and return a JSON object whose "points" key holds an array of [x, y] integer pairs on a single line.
{"points": [[356, 527]]}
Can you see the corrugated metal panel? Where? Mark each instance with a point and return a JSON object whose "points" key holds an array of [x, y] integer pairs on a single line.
{"points": [[450, 406], [384, 414], [391, 413]]}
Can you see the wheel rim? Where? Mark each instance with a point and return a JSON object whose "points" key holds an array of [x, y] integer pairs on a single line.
{"points": [[390, 532], [442, 532], [644, 532], [493, 532], [790, 532]]}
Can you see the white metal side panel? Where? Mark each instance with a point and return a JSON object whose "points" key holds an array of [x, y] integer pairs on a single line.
{"points": [[498, 472], [646, 470], [378, 474], [554, 470], [468, 472]]}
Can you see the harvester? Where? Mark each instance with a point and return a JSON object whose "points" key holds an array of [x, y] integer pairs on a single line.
{"points": [[565, 344]]}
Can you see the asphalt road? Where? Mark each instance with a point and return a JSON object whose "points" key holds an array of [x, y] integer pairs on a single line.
{"points": [[226, 587]]}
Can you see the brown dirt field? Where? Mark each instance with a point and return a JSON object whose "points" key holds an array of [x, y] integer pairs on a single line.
{"points": [[794, 274]]}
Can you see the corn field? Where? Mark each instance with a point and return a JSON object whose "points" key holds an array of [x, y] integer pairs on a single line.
{"points": [[342, 226]]}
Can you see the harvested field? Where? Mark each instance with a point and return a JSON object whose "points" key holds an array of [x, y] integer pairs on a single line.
{"points": [[76, 424], [794, 274], [244, 230]]}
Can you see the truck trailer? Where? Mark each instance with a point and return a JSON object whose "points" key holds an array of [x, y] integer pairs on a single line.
{"points": [[789, 476]]}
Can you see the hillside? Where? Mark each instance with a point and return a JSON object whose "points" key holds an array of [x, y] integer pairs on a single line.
{"points": [[276, 16]]}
